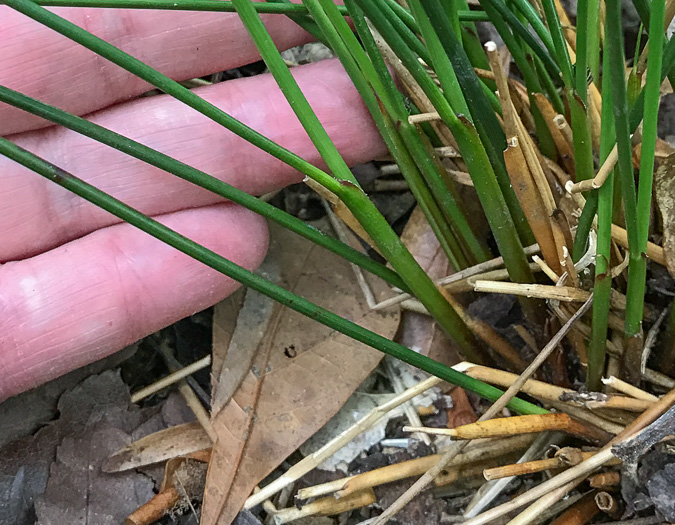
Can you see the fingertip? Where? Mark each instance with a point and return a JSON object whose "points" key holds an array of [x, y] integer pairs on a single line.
{"points": [[87, 299]]}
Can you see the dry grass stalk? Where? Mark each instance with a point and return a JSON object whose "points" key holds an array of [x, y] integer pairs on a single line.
{"points": [[604, 171], [521, 469], [565, 457], [459, 277], [654, 251], [172, 378], [408, 408], [326, 507], [348, 238], [608, 504], [545, 268], [424, 117], [600, 178], [592, 418], [564, 148], [628, 389], [546, 493], [489, 491], [478, 451], [524, 168], [310, 462], [539, 291], [605, 479], [447, 152], [453, 474], [593, 400], [188, 394], [494, 409], [515, 425], [564, 127]]}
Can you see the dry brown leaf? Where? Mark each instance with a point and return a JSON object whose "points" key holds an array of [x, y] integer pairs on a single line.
{"points": [[159, 446], [301, 375], [236, 350], [664, 186], [530, 200], [417, 331]]}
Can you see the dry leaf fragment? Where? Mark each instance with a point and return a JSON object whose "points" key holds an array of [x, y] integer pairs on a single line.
{"points": [[664, 187], [160, 446], [302, 373]]}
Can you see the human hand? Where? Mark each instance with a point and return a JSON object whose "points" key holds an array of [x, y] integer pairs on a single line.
{"points": [[77, 285]]}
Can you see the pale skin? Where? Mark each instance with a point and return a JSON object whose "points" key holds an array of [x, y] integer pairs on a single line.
{"points": [[76, 284]]}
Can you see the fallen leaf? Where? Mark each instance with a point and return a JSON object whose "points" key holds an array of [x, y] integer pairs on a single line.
{"points": [[236, 351], [417, 331], [79, 492], [301, 375], [180, 440], [664, 187]]}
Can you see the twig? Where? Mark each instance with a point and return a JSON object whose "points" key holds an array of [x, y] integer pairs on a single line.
{"points": [[545, 493], [326, 507], [541, 291], [546, 391], [515, 425], [478, 451], [628, 389], [459, 276], [171, 379], [495, 409], [154, 509], [424, 117], [650, 340], [188, 394], [492, 489], [312, 461]]}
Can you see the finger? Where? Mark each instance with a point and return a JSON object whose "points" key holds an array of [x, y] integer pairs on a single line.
{"points": [[37, 215], [43, 64], [87, 299]]}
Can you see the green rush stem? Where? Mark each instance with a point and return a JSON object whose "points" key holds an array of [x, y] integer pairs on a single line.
{"points": [[225, 6], [248, 278], [602, 287], [440, 62], [170, 87], [294, 95], [437, 200], [537, 23], [303, 20], [473, 153], [197, 177], [581, 136], [483, 116], [616, 62], [395, 144], [578, 100], [637, 267], [351, 193], [559, 42], [508, 16], [580, 68], [413, 42], [636, 112], [593, 40]]}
